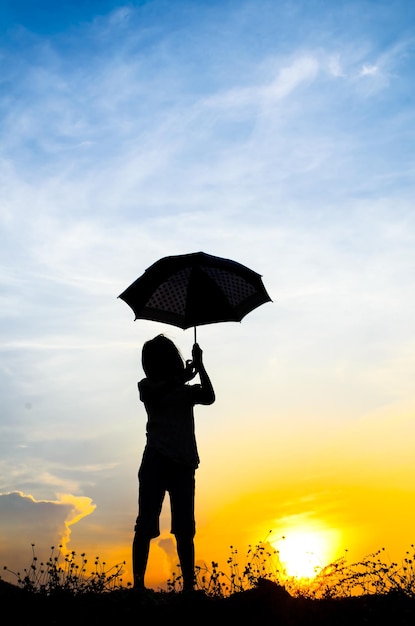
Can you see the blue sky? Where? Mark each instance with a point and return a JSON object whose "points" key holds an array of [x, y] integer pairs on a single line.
{"points": [[279, 134]]}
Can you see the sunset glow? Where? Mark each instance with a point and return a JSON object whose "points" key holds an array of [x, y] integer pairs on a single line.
{"points": [[278, 134]]}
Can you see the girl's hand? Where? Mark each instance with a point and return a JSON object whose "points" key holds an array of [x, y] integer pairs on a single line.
{"points": [[197, 356], [189, 371]]}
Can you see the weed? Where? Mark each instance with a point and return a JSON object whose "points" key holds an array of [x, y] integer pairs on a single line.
{"points": [[261, 562], [67, 574], [373, 575]]}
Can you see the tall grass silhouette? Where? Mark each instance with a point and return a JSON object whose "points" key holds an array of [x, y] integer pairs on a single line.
{"points": [[250, 588], [67, 573], [373, 575]]}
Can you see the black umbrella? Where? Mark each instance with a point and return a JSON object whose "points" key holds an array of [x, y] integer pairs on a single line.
{"points": [[195, 289]]}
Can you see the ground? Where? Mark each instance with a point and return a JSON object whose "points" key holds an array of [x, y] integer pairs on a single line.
{"points": [[268, 602]]}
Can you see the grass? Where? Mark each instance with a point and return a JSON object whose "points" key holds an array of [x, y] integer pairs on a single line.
{"points": [[372, 575], [67, 573], [251, 587]]}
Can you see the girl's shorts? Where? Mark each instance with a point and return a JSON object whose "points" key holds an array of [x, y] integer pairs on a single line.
{"points": [[158, 474]]}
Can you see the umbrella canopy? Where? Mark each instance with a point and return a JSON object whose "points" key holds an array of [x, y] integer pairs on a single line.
{"points": [[195, 289]]}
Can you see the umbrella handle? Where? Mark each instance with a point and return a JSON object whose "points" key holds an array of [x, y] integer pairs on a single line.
{"points": [[195, 334]]}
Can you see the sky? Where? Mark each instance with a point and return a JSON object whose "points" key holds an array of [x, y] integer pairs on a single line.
{"points": [[279, 134]]}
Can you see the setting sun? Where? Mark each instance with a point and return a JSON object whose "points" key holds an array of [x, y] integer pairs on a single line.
{"points": [[303, 552]]}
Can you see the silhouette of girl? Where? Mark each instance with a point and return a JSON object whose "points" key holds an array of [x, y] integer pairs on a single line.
{"points": [[170, 456]]}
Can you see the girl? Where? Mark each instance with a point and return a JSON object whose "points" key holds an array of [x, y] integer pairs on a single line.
{"points": [[170, 456]]}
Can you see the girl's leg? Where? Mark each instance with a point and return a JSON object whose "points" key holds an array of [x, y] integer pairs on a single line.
{"points": [[150, 500], [141, 547], [186, 553]]}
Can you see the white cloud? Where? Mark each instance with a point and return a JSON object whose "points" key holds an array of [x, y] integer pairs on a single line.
{"points": [[289, 77], [369, 70], [26, 521]]}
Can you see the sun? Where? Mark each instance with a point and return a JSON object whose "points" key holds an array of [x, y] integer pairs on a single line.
{"points": [[303, 552]]}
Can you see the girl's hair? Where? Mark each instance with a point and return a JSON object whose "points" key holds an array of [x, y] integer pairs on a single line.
{"points": [[161, 359]]}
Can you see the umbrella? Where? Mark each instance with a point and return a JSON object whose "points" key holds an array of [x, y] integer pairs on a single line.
{"points": [[195, 289]]}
